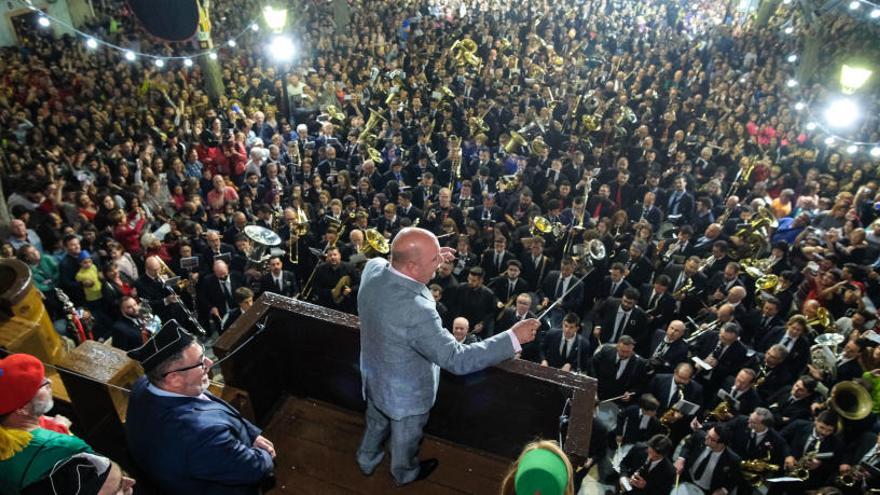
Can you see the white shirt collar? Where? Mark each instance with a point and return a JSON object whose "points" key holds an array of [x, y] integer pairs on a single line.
{"points": [[394, 271]]}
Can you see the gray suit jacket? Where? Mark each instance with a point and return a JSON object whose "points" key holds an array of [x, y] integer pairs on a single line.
{"points": [[404, 344]]}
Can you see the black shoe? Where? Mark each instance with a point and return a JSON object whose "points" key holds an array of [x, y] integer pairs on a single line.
{"points": [[427, 467]]}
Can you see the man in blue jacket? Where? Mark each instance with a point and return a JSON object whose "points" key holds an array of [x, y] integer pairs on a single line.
{"points": [[185, 439], [403, 347]]}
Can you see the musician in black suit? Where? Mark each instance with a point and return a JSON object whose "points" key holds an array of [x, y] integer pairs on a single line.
{"points": [[667, 348], [757, 323], [519, 311], [566, 349], [214, 248], [677, 250], [639, 422], [535, 264], [614, 284], [508, 284], [657, 301], [127, 330], [754, 436], [773, 375], [647, 210], [638, 268], [215, 293], [476, 302], [558, 283], [688, 301], [328, 276], [740, 395], [863, 455], [618, 370], [708, 462], [679, 201], [848, 365], [488, 212], [405, 208], [616, 317], [723, 352], [599, 205], [244, 298], [648, 468], [794, 338], [154, 291], [494, 260], [796, 403], [389, 223], [669, 389], [807, 439], [722, 282], [278, 280]]}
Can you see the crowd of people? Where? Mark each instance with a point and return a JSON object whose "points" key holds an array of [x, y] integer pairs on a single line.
{"points": [[635, 173]]}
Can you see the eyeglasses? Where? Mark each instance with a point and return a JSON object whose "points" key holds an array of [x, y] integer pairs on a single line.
{"points": [[201, 364]]}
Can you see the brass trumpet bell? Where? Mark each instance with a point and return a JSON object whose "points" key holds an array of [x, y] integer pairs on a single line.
{"points": [[374, 155], [508, 183], [537, 146], [590, 123], [767, 282], [516, 142], [335, 114], [375, 244], [541, 225]]}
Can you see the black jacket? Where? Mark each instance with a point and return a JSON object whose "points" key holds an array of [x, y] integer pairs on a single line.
{"points": [[578, 357], [746, 448], [727, 471], [636, 326], [572, 301], [665, 362], [289, 288], [659, 478], [604, 367], [126, 334], [629, 423]]}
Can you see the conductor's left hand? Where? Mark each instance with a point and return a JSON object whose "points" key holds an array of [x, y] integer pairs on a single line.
{"points": [[525, 330], [447, 254]]}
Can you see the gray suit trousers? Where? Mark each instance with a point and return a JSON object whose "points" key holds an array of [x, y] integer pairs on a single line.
{"points": [[406, 434]]}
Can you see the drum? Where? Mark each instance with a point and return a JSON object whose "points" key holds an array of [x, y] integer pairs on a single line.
{"points": [[607, 414]]}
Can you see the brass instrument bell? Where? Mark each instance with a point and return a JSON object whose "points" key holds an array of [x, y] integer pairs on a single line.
{"points": [[375, 244]]}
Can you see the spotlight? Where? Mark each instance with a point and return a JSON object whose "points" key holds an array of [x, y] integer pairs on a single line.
{"points": [[160, 63], [842, 113], [789, 30], [852, 149], [792, 58], [91, 43], [854, 5], [187, 62], [786, 2], [255, 27], [129, 55], [281, 49], [791, 83], [800, 106], [852, 78], [212, 55], [276, 18], [875, 152], [231, 43], [875, 13], [43, 21], [829, 141], [811, 126]]}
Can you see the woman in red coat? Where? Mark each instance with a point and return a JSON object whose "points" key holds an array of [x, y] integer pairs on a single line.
{"points": [[127, 232]]}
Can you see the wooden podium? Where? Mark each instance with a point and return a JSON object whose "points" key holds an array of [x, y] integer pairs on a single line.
{"points": [[302, 375]]}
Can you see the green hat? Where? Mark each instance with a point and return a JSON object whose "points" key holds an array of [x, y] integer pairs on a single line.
{"points": [[541, 471]]}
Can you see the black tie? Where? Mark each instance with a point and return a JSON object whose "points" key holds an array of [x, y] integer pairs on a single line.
{"points": [[701, 467], [652, 301], [226, 291], [751, 444]]}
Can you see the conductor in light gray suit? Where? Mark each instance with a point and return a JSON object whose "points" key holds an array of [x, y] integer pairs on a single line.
{"points": [[403, 347]]}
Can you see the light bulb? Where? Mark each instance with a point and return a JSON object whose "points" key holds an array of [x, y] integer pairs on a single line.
{"points": [[800, 106], [91, 43], [129, 55], [829, 140], [875, 152], [43, 21], [255, 27], [792, 58], [811, 126], [791, 83], [875, 13], [854, 5], [212, 55], [852, 149], [231, 43], [842, 113], [789, 30], [160, 63], [187, 62]]}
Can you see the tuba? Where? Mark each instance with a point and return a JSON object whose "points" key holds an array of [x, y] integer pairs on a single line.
{"points": [[589, 253], [822, 319], [516, 142], [541, 225], [767, 283]]}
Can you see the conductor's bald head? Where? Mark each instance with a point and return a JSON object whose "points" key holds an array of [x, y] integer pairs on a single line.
{"points": [[415, 252]]}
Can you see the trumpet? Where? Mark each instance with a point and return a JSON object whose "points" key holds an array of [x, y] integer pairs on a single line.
{"points": [[672, 414], [706, 263], [299, 227], [684, 290], [702, 331]]}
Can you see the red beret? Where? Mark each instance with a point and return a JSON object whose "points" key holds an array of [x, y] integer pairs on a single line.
{"points": [[20, 378]]}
